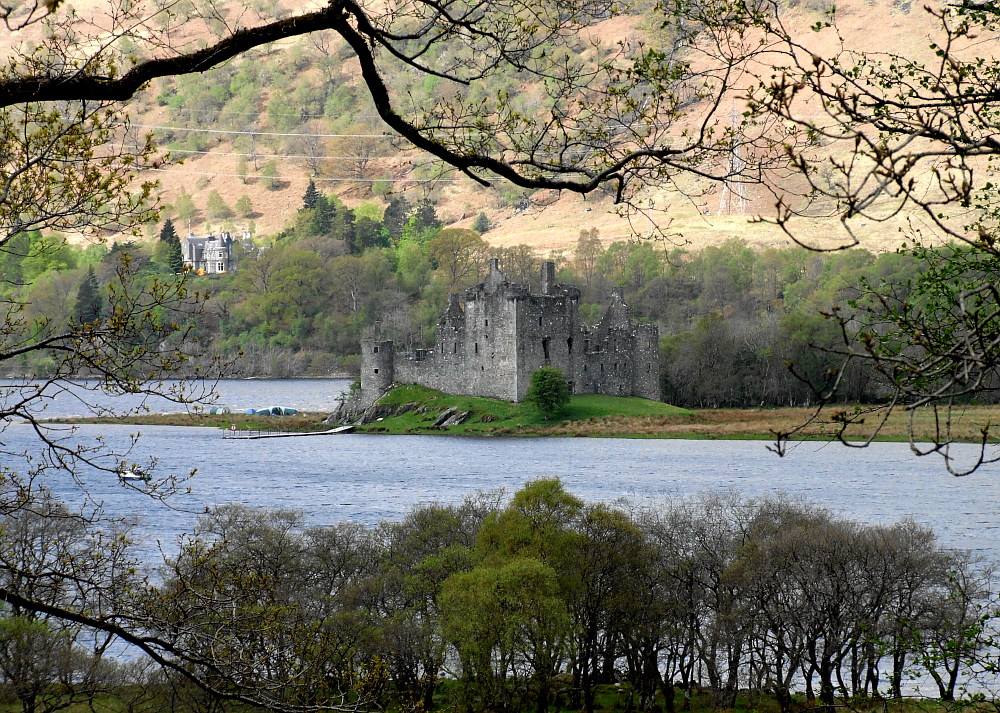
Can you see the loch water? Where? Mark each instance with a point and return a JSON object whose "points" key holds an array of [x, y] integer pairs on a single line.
{"points": [[369, 478]]}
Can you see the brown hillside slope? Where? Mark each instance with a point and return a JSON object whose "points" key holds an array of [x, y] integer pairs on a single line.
{"points": [[553, 222]]}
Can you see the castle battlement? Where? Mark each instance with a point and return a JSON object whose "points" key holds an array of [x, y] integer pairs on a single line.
{"points": [[490, 345]]}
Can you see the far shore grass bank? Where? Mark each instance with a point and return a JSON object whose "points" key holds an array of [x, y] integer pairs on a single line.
{"points": [[415, 409]]}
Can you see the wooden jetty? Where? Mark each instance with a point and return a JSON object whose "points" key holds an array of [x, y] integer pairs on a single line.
{"points": [[255, 434]]}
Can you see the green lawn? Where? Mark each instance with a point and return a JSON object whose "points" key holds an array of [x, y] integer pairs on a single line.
{"points": [[495, 416]]}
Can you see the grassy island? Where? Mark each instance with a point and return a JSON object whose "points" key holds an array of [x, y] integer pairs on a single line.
{"points": [[409, 409]]}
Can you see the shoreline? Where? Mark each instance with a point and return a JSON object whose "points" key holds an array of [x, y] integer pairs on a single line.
{"points": [[706, 424]]}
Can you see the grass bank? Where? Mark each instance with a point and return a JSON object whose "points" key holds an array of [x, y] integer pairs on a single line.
{"points": [[301, 423], [418, 408], [609, 416]]}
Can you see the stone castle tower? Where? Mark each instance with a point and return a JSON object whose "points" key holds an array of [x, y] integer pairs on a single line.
{"points": [[491, 345]]}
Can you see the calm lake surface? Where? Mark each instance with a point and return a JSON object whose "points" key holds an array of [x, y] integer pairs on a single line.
{"points": [[372, 478]]}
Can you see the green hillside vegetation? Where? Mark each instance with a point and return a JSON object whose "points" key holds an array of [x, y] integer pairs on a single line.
{"points": [[732, 319], [423, 406]]}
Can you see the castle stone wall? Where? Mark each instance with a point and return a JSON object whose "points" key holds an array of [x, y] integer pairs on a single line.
{"points": [[503, 334]]}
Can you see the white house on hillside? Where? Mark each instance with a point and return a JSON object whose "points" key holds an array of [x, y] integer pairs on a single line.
{"points": [[214, 255]]}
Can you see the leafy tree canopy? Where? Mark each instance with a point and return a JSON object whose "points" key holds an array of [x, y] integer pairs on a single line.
{"points": [[549, 391]]}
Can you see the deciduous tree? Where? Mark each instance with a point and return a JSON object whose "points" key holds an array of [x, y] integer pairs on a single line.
{"points": [[459, 255], [549, 391]]}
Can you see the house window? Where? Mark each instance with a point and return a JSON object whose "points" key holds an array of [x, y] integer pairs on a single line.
{"points": [[221, 267]]}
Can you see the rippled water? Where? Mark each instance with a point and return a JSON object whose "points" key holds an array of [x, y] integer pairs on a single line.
{"points": [[372, 478]]}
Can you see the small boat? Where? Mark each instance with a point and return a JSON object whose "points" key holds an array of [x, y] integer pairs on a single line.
{"points": [[129, 476]]}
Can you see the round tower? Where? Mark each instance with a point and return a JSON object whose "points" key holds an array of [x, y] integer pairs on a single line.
{"points": [[376, 367]]}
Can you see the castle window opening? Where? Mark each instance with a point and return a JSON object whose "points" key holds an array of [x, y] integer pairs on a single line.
{"points": [[487, 324], [584, 367], [454, 348], [545, 350], [375, 350], [375, 370], [539, 320], [569, 345], [477, 347]]}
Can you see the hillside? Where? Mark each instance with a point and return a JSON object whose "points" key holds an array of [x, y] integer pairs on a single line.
{"points": [[545, 221]]}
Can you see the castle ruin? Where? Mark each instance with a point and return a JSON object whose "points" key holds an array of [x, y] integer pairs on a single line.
{"points": [[491, 345]]}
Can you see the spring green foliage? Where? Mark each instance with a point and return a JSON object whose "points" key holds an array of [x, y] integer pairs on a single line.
{"points": [[540, 599], [270, 176], [184, 208], [731, 318], [549, 391], [216, 207], [244, 206]]}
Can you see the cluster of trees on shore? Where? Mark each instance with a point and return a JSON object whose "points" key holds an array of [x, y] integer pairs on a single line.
{"points": [[508, 604]]}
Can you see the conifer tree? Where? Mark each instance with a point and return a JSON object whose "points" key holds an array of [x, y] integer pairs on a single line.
{"points": [[175, 257], [481, 224], [311, 197], [168, 233], [89, 303], [397, 213], [425, 216]]}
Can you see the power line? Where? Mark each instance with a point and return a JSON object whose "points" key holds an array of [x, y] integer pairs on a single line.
{"points": [[186, 110], [311, 178], [262, 156], [153, 127]]}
